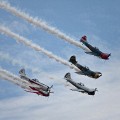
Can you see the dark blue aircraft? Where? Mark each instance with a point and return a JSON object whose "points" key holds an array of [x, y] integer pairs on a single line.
{"points": [[84, 70], [94, 51]]}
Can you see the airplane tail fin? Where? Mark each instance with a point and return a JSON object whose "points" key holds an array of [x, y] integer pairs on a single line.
{"points": [[22, 72], [67, 76], [73, 59], [83, 39]]}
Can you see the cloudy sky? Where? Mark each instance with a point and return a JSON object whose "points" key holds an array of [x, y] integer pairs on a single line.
{"points": [[99, 21]]}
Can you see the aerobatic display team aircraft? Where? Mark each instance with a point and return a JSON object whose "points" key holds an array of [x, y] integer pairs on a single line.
{"points": [[35, 86], [80, 87], [84, 70], [94, 50]]}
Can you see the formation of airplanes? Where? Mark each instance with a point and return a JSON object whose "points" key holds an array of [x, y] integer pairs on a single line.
{"points": [[80, 87], [34, 86], [44, 90], [41, 89]]}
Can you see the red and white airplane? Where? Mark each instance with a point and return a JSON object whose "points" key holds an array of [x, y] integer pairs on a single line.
{"points": [[35, 86]]}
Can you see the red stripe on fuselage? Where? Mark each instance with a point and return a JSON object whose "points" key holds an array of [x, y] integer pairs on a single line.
{"points": [[39, 92]]}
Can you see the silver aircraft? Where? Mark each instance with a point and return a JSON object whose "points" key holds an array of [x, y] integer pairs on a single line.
{"points": [[35, 86], [80, 87]]}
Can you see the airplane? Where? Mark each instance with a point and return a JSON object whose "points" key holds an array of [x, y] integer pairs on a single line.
{"points": [[80, 87], [94, 50], [35, 86], [84, 70]]}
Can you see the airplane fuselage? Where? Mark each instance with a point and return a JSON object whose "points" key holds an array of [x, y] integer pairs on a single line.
{"points": [[84, 70], [40, 91], [36, 84], [95, 50], [82, 87], [88, 72]]}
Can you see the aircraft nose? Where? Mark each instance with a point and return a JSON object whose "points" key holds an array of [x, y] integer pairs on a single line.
{"points": [[98, 74], [108, 55], [105, 56]]}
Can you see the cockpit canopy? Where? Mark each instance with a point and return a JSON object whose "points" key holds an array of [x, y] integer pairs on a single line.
{"points": [[35, 80], [96, 48], [81, 84], [87, 68]]}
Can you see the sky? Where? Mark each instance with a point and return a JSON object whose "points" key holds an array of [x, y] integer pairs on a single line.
{"points": [[99, 21]]}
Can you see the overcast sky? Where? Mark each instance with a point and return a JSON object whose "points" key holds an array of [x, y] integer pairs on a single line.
{"points": [[99, 21]]}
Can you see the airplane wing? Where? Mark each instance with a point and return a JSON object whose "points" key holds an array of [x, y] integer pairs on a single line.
{"points": [[80, 73], [78, 90], [91, 53]]}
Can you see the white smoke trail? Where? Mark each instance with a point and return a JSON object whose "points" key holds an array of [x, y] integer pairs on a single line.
{"points": [[41, 24], [6, 56], [13, 78], [5, 77], [34, 46]]}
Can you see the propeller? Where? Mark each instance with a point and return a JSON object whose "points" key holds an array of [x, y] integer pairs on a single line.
{"points": [[50, 89], [96, 89], [110, 54]]}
